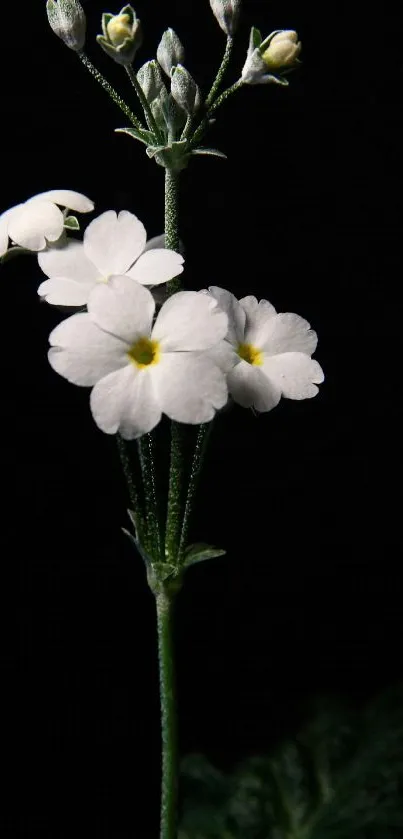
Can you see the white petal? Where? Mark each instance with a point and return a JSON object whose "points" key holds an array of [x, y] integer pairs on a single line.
{"points": [[288, 332], [114, 242], [250, 388], [189, 387], [236, 315], [82, 353], [36, 222], [159, 242], [155, 242], [3, 233], [123, 308], [4, 225], [224, 355], [60, 291], [124, 401], [190, 321], [66, 198], [258, 317], [156, 266], [294, 373], [70, 262]]}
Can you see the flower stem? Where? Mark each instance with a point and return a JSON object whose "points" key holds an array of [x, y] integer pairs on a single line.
{"points": [[110, 91], [144, 104], [169, 782], [172, 220], [146, 445], [202, 438], [221, 71]]}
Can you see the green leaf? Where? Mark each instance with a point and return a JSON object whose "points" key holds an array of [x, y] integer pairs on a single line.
{"points": [[210, 152], [71, 223], [144, 136], [199, 552]]}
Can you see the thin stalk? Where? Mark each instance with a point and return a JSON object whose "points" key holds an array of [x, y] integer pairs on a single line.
{"points": [[221, 71], [152, 512], [144, 104], [111, 91], [202, 438], [169, 781]]}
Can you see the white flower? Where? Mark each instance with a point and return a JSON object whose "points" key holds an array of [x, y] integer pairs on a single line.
{"points": [[265, 355], [141, 371], [112, 245], [38, 221]]}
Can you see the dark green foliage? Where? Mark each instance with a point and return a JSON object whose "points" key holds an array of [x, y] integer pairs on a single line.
{"points": [[341, 778]]}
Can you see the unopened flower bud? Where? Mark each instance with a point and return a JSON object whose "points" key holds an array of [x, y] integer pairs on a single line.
{"points": [[283, 50], [67, 19], [170, 51], [150, 80], [269, 60], [185, 90], [227, 14], [122, 35]]}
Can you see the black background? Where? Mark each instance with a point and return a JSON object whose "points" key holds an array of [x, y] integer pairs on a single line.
{"points": [[307, 213]]}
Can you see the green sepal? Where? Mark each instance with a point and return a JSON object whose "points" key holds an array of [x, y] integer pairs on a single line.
{"points": [[210, 152], [264, 44], [106, 17], [128, 10], [199, 552], [71, 223], [15, 250], [255, 38], [144, 136]]}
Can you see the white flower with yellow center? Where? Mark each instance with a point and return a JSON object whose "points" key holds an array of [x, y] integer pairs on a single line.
{"points": [[39, 220], [266, 355], [113, 244], [139, 370]]}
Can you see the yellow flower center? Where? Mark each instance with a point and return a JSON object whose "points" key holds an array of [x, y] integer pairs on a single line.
{"points": [[118, 29], [144, 353], [250, 354]]}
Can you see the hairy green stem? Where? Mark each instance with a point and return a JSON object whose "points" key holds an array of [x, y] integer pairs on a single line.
{"points": [[169, 781], [144, 104], [203, 435], [110, 91], [175, 494], [146, 446], [221, 71]]}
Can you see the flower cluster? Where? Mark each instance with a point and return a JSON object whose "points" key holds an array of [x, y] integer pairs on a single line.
{"points": [[199, 350]]}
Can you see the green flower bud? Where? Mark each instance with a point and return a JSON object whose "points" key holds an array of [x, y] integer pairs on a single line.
{"points": [[227, 14], [67, 19], [150, 80], [185, 90], [170, 51], [122, 35]]}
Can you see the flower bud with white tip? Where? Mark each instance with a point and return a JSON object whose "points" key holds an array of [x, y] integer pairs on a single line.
{"points": [[68, 21], [227, 14], [122, 35], [269, 60], [170, 51], [184, 90], [150, 80]]}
